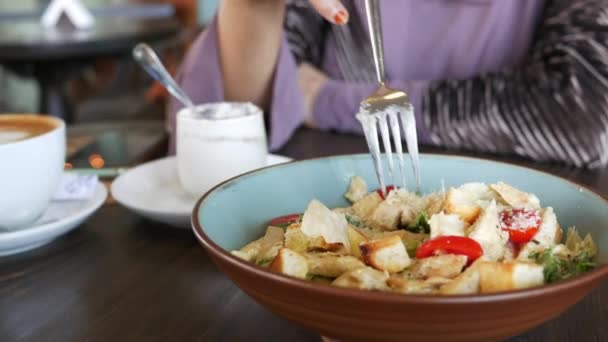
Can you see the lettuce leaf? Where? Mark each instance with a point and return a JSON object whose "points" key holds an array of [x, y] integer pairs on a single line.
{"points": [[355, 221], [420, 224], [560, 267]]}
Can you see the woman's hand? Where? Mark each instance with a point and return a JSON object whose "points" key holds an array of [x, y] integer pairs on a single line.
{"points": [[332, 10], [311, 80], [249, 34]]}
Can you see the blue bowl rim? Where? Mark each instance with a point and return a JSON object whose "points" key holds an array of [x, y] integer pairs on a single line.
{"points": [[598, 274]]}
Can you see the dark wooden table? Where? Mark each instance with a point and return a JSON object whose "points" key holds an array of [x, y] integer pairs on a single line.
{"points": [[122, 278], [54, 55]]}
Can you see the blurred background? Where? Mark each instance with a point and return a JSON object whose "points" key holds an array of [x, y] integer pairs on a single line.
{"points": [[115, 112], [101, 84]]}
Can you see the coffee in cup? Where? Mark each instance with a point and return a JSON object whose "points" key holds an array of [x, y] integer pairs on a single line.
{"points": [[217, 142], [23, 128], [32, 156]]}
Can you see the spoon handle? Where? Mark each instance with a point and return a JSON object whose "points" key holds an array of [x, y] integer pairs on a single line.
{"points": [[372, 7], [147, 58]]}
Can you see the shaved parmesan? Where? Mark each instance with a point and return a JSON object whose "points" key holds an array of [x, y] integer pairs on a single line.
{"points": [[446, 225], [487, 232], [318, 220], [515, 197]]}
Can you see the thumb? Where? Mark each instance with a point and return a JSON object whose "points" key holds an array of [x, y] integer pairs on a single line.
{"points": [[332, 10]]}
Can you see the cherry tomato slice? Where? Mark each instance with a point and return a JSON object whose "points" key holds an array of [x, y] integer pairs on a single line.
{"points": [[389, 188], [285, 221], [521, 224], [450, 245]]}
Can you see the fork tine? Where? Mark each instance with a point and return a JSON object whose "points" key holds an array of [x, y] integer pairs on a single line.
{"points": [[408, 122], [396, 131], [386, 141], [371, 136]]}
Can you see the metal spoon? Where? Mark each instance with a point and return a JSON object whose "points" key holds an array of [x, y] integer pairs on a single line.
{"points": [[147, 58]]}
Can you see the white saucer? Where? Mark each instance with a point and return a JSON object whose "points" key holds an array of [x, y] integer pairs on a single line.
{"points": [[153, 191], [59, 218]]}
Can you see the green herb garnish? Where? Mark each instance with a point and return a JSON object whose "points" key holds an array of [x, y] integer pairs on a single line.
{"points": [[264, 262], [412, 246], [420, 224], [355, 221]]}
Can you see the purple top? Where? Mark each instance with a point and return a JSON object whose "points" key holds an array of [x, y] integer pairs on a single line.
{"points": [[425, 40]]}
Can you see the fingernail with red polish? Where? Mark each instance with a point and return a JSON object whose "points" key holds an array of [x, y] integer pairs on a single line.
{"points": [[341, 17]]}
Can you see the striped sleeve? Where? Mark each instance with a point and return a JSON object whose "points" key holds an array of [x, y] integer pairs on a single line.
{"points": [[553, 107]]}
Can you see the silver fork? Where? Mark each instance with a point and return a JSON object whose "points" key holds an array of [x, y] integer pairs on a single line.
{"points": [[389, 110]]}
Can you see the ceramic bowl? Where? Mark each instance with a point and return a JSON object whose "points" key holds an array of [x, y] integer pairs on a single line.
{"points": [[234, 213]]}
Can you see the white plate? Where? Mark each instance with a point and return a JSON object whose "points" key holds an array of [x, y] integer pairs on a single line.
{"points": [[59, 218], [153, 191]]}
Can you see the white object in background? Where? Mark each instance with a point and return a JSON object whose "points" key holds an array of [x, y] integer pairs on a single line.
{"points": [[221, 140], [75, 187], [78, 15], [30, 170], [58, 219], [153, 191]]}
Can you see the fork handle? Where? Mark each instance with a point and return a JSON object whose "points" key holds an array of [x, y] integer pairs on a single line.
{"points": [[372, 7]]}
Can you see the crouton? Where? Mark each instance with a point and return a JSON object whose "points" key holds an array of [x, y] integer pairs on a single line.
{"points": [[365, 206], [444, 266], [434, 202], [242, 255], [410, 286], [365, 278], [406, 236], [250, 250], [331, 265], [356, 238], [345, 211], [356, 190], [399, 207], [318, 220], [297, 241], [446, 225], [387, 215], [272, 237], [411, 199], [437, 281], [497, 277], [410, 240], [515, 197], [405, 283], [468, 200], [368, 233], [549, 233], [272, 242], [466, 283], [487, 232], [387, 254], [290, 263], [408, 215]]}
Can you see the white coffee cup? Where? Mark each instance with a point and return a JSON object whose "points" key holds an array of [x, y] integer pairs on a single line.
{"points": [[32, 156], [218, 142]]}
